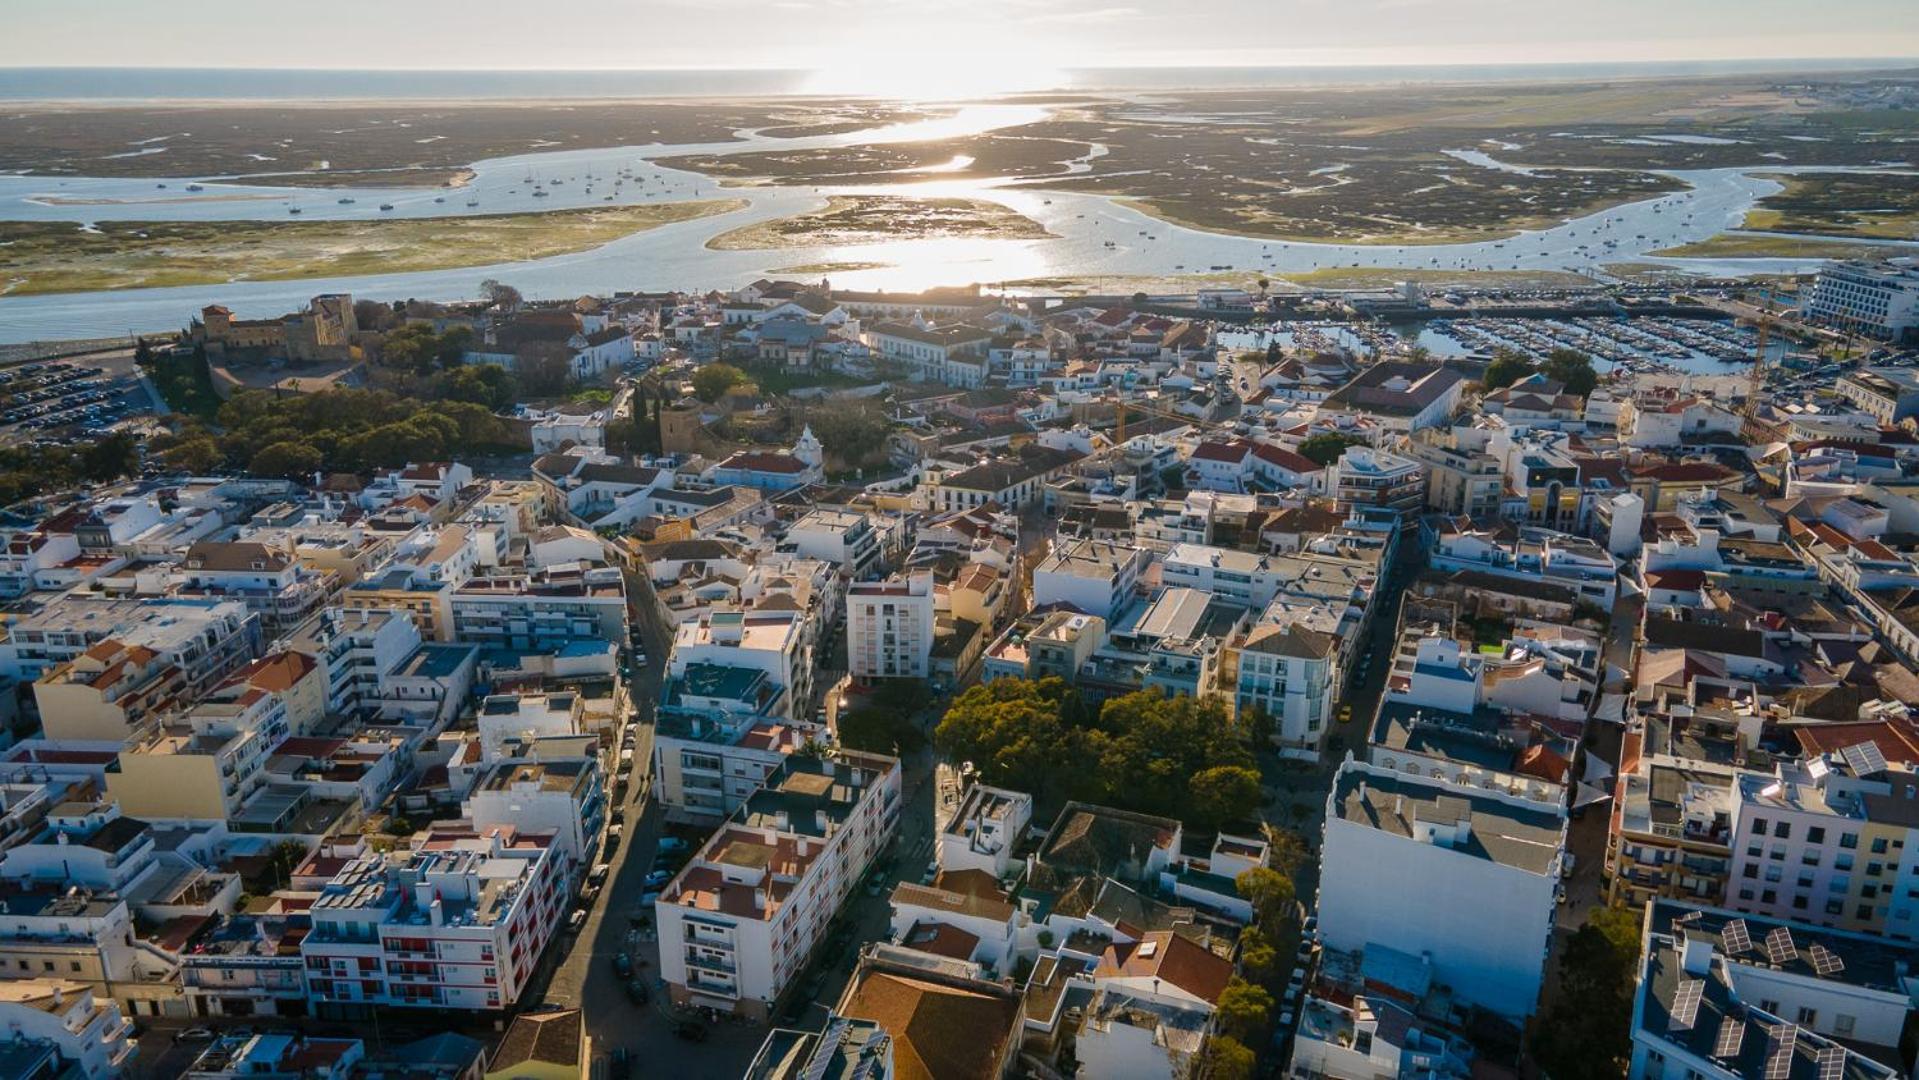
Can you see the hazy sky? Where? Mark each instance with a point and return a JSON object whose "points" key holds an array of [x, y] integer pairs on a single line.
{"points": [[903, 33]]}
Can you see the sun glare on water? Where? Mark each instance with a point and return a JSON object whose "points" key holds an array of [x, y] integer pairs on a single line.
{"points": [[930, 77]]}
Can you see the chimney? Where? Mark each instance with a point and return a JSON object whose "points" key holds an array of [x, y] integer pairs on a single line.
{"points": [[819, 820], [780, 820], [759, 899], [1399, 805]]}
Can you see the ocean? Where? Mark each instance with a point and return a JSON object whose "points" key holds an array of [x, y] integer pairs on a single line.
{"points": [[246, 84]]}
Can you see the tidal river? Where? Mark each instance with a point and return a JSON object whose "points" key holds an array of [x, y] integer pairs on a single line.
{"points": [[1094, 236]]}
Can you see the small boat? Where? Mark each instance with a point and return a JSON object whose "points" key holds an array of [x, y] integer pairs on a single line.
{"points": [[539, 194], [346, 200], [473, 202], [195, 187], [386, 206], [293, 209], [159, 185], [439, 198]]}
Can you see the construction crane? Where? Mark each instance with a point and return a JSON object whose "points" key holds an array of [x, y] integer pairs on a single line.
{"points": [[1756, 378]]}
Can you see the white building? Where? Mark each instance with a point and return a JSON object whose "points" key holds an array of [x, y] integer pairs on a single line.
{"points": [[1290, 672], [745, 916], [459, 921], [889, 627], [1464, 875], [566, 798], [1726, 997], [984, 831], [1876, 299], [1096, 577], [62, 1018]]}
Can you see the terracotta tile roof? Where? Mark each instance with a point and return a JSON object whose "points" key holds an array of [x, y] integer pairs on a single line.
{"points": [[941, 1032], [1170, 958]]}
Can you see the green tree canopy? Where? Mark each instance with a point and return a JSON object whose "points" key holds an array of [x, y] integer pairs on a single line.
{"points": [[1269, 891], [1507, 368], [288, 460], [1325, 449], [1587, 1032], [713, 380], [1243, 1008], [1223, 794], [1225, 1058], [1573, 368]]}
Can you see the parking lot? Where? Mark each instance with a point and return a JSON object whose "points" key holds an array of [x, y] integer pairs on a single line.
{"points": [[83, 394]]}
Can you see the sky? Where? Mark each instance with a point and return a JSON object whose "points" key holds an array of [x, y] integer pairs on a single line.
{"points": [[901, 40]]}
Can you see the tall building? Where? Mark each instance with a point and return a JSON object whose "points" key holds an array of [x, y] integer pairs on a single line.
{"points": [[745, 915], [1460, 874], [1879, 300], [458, 921], [889, 627]]}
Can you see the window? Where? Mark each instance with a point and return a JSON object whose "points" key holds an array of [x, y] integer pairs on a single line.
{"points": [[1770, 896], [1784, 831], [1745, 894], [1799, 902], [1759, 826], [1767, 1005], [1834, 907], [1842, 1025], [1816, 835], [1864, 911], [1878, 845], [1849, 840]]}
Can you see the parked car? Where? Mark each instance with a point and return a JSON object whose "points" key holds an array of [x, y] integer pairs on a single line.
{"points": [[575, 921], [636, 991], [672, 843], [599, 872], [195, 1034], [658, 878], [623, 965], [690, 1030]]}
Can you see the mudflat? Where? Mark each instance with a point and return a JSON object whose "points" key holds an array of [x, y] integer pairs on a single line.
{"points": [[41, 257], [849, 220]]}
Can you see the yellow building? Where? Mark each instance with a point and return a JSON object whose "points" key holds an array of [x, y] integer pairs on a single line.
{"points": [[106, 693]]}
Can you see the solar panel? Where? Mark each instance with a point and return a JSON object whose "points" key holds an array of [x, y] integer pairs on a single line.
{"points": [[1685, 1004], [1832, 1062], [1779, 946], [1864, 758], [1779, 1047], [1825, 961], [1732, 1035], [1736, 937]]}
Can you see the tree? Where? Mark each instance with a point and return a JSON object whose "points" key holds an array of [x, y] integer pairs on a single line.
{"points": [[1222, 794], [879, 730], [1325, 449], [142, 352], [1268, 891], [851, 431], [110, 458], [1017, 733], [543, 368], [1243, 1008], [503, 295], [1257, 955], [489, 385], [1286, 850], [1591, 1018], [713, 380], [287, 460], [1507, 368], [1150, 748], [197, 453], [1225, 1058], [1573, 368]]}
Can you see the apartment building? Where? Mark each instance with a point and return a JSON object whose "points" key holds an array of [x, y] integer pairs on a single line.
{"points": [[1830, 841], [1725, 996], [457, 921], [541, 610], [718, 732], [566, 798], [775, 642], [102, 667], [844, 538], [1464, 875], [1670, 833], [205, 764], [60, 1029], [273, 584], [955, 354], [1367, 477], [1094, 577], [745, 915], [1010, 483], [984, 830], [1290, 672], [889, 627], [1461, 478]]}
